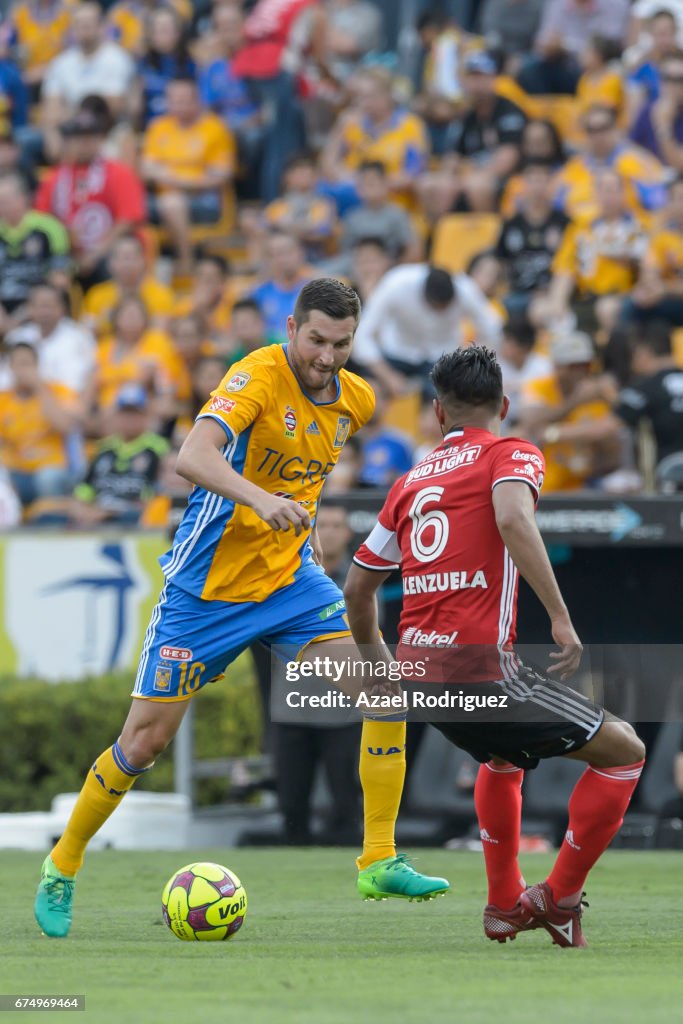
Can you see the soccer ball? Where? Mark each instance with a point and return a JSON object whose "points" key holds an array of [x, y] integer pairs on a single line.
{"points": [[204, 901]]}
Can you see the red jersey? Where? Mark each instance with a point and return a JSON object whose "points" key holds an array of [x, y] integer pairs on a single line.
{"points": [[267, 31], [438, 525], [90, 199]]}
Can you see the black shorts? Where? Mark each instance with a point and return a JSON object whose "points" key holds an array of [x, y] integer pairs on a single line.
{"points": [[541, 718]]}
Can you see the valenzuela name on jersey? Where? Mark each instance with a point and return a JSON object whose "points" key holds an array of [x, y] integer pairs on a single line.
{"points": [[285, 442]]}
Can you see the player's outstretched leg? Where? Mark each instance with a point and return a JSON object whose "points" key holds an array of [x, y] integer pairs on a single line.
{"points": [[149, 728], [381, 873], [498, 803], [596, 810]]}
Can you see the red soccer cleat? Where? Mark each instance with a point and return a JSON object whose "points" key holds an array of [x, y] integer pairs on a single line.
{"points": [[501, 925], [562, 923]]}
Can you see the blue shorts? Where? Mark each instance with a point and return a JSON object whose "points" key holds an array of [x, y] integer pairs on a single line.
{"points": [[190, 641]]}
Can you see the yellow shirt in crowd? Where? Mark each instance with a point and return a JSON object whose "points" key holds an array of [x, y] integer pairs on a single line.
{"points": [[190, 152], [101, 300], [28, 441]]}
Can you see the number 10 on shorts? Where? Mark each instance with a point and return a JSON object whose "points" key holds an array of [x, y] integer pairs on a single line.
{"points": [[190, 677]]}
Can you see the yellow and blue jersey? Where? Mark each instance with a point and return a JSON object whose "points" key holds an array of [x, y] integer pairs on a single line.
{"points": [[285, 442], [644, 177]]}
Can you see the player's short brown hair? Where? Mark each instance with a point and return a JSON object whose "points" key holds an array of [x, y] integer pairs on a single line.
{"points": [[328, 296]]}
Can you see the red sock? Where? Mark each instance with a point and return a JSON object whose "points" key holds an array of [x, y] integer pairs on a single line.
{"points": [[498, 802], [596, 811]]}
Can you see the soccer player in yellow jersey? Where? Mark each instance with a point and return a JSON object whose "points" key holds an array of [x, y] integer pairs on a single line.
{"points": [[244, 567]]}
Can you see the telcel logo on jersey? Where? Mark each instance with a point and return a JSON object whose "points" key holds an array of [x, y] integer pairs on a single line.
{"points": [[434, 582], [414, 637], [290, 422], [443, 462]]}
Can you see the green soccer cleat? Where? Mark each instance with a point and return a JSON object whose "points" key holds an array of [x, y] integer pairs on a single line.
{"points": [[53, 901], [395, 877]]}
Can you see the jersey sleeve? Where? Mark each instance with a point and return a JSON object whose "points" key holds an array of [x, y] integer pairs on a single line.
{"points": [[381, 551], [515, 459], [239, 399]]}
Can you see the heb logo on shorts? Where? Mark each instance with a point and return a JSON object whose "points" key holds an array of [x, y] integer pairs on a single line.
{"points": [[290, 421], [527, 457], [176, 654], [222, 404], [238, 381]]}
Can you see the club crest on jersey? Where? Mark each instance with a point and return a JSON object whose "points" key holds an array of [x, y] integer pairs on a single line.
{"points": [[343, 429], [162, 678], [219, 404], [238, 381], [290, 422]]}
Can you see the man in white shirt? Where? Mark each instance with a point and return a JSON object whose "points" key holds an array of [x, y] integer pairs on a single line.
{"points": [[66, 350], [91, 65], [414, 315], [520, 365]]}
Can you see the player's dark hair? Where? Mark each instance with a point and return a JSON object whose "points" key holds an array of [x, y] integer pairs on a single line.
{"points": [[655, 337], [329, 296], [521, 331], [468, 378], [251, 305], [439, 289]]}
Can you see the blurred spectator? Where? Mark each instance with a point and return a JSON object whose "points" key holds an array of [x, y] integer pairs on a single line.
{"points": [[235, 99], [135, 353], [487, 145], [210, 299], [14, 158], [597, 262], [128, 20], [301, 211], [33, 246], [96, 199], [378, 217], [602, 80], [428, 429], [370, 261], [275, 33], [287, 274], [645, 81], [41, 30], [36, 418], [659, 126], [655, 396], [415, 312], [344, 476], [66, 350], [376, 128], [248, 329], [167, 57], [188, 158], [565, 31], [540, 141], [206, 376], [386, 454], [658, 294], [10, 506], [124, 471], [91, 65], [554, 404], [440, 86], [14, 96], [520, 365], [187, 334], [529, 240], [353, 29], [511, 25], [605, 147], [128, 268]]}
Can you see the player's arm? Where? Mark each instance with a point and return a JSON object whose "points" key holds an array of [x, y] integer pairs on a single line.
{"points": [[202, 462], [514, 506], [360, 593]]}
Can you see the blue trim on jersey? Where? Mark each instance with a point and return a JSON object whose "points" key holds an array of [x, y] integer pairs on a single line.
{"points": [[210, 416], [205, 520], [305, 393]]}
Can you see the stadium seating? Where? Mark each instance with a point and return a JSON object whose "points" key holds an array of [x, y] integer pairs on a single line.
{"points": [[459, 237]]}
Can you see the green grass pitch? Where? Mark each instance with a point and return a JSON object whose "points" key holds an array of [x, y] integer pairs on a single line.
{"points": [[311, 952]]}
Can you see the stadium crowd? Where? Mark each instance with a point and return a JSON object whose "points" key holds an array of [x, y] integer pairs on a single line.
{"points": [[172, 174]]}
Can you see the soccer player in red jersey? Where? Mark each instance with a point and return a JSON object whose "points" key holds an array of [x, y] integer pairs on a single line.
{"points": [[461, 527]]}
